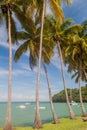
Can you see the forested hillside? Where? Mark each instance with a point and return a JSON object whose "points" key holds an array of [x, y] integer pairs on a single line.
{"points": [[73, 95]]}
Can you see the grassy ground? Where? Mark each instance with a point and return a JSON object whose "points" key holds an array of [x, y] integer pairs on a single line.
{"points": [[65, 124]]}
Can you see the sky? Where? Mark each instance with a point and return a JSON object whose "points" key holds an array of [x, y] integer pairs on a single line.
{"points": [[24, 79]]}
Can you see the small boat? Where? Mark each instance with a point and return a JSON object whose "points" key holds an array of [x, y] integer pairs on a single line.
{"points": [[21, 106], [73, 103], [40, 107]]}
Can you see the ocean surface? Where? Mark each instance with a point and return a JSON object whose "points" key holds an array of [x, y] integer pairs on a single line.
{"points": [[23, 113]]}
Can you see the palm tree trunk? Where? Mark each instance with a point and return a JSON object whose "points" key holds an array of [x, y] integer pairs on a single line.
{"points": [[37, 122], [80, 93], [8, 124], [72, 115], [50, 97]]}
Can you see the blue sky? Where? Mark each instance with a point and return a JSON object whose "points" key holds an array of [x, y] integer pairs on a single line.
{"points": [[24, 79]]}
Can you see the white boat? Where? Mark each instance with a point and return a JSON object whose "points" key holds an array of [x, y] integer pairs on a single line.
{"points": [[73, 103], [21, 106], [40, 107]]}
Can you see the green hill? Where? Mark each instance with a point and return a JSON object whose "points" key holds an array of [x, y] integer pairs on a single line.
{"points": [[72, 93]]}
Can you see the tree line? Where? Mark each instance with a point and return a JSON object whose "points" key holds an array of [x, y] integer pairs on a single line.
{"points": [[72, 93]]}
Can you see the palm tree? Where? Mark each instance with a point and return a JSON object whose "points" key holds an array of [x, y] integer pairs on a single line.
{"points": [[76, 59], [58, 36], [8, 125], [7, 8], [37, 122], [79, 72], [79, 75]]}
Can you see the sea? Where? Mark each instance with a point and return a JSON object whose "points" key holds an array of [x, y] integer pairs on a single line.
{"points": [[23, 113]]}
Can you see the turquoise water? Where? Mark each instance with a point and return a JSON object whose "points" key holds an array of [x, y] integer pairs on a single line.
{"points": [[26, 116]]}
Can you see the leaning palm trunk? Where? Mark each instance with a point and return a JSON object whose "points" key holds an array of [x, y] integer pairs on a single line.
{"points": [[80, 93], [8, 124], [55, 119], [37, 122], [72, 115]]}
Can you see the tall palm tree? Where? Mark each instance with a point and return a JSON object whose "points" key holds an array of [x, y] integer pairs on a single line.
{"points": [[58, 36], [79, 75], [7, 9], [76, 54], [37, 122], [8, 125], [79, 72]]}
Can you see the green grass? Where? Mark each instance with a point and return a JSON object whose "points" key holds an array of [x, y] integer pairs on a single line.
{"points": [[65, 124]]}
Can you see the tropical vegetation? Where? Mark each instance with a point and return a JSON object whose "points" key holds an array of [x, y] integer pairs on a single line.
{"points": [[72, 93]]}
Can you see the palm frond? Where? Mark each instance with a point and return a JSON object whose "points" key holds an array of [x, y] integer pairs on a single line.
{"points": [[84, 23], [32, 61], [75, 29], [30, 11], [23, 35], [75, 51], [32, 47], [57, 11], [75, 75], [27, 23], [66, 24], [69, 2], [22, 49]]}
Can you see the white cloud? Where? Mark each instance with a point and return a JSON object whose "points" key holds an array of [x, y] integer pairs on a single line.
{"points": [[3, 97], [16, 72], [3, 72], [24, 66], [23, 97]]}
